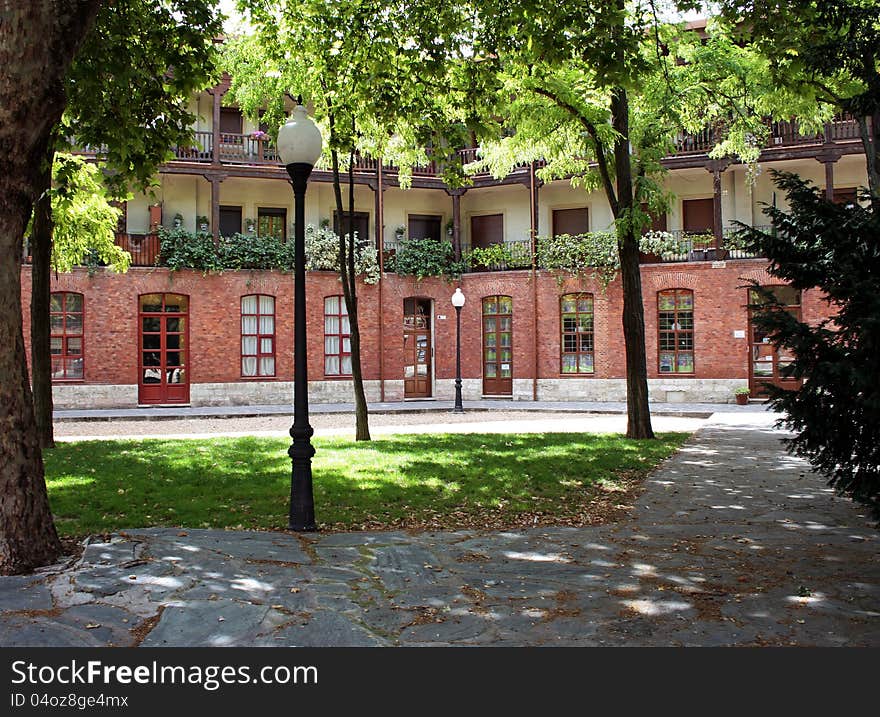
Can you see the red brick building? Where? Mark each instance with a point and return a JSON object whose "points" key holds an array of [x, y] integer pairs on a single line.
{"points": [[153, 336]]}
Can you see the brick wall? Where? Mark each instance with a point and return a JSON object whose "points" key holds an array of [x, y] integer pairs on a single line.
{"points": [[111, 304]]}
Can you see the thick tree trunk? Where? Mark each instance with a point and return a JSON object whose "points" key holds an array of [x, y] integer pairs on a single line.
{"points": [[41, 270], [638, 411], [38, 40]]}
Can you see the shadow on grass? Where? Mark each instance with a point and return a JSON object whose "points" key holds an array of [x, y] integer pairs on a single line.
{"points": [[98, 486]]}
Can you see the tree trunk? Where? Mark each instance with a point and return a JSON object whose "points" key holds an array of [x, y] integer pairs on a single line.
{"points": [[38, 41], [349, 288], [361, 415], [638, 411], [41, 269], [870, 132]]}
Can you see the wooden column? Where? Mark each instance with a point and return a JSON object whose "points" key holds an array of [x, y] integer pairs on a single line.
{"points": [[215, 207], [829, 180], [215, 124], [456, 220], [828, 156], [718, 229]]}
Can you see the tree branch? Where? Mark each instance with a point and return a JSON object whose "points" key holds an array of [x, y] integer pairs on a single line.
{"points": [[601, 159]]}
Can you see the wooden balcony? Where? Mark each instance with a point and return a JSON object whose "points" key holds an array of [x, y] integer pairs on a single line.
{"points": [[782, 134], [258, 153]]}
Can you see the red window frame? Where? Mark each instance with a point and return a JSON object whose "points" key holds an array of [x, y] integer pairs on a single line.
{"points": [[576, 336], [342, 338], [675, 332], [259, 335], [67, 335]]}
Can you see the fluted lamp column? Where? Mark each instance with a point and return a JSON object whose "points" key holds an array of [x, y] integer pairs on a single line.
{"points": [[299, 147], [458, 302]]}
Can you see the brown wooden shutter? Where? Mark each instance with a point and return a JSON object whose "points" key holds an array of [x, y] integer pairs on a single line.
{"points": [[423, 226], [699, 216], [487, 230], [571, 221], [230, 120], [658, 221]]}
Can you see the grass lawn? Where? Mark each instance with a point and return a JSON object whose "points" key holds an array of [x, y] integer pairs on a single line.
{"points": [[400, 481]]}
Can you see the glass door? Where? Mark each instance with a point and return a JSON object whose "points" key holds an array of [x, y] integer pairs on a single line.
{"points": [[498, 346], [163, 349], [767, 362]]}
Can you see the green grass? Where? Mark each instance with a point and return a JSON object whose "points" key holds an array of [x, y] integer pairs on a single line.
{"points": [[450, 481]]}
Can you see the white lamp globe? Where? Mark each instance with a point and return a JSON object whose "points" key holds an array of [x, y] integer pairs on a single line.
{"points": [[299, 139], [458, 298]]}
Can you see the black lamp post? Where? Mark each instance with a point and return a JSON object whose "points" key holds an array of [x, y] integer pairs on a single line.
{"points": [[458, 302], [299, 146]]}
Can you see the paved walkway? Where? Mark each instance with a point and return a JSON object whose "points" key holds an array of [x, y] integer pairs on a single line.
{"points": [[698, 410], [732, 543]]}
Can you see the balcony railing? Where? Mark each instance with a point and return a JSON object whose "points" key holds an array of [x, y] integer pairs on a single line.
{"points": [[782, 134], [144, 248], [692, 246], [202, 149]]}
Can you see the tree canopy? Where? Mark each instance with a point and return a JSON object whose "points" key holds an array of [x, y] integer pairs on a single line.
{"points": [[84, 220], [128, 89]]}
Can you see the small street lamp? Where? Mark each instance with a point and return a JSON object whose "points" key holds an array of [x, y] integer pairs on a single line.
{"points": [[299, 147], [458, 302]]}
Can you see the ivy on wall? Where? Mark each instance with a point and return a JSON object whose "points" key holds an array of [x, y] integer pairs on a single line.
{"points": [[425, 257], [182, 249]]}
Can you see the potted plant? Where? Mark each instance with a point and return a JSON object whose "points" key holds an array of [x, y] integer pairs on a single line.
{"points": [[450, 228], [742, 395], [250, 225], [178, 220], [202, 222], [399, 232]]}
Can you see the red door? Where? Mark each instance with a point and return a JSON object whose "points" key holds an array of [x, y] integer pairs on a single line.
{"points": [[163, 349], [498, 346], [767, 362], [417, 350]]}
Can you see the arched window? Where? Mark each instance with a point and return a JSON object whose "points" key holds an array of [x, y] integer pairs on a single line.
{"points": [[257, 335], [675, 324], [66, 335], [576, 342], [337, 337]]}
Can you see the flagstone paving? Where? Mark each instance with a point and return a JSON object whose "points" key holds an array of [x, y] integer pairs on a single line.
{"points": [[732, 543]]}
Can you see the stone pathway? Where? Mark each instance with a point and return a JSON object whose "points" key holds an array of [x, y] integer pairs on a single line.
{"points": [[732, 543]]}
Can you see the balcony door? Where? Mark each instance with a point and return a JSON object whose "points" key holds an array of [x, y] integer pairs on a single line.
{"points": [[424, 226], [230, 221], [486, 230], [698, 216], [498, 346], [163, 349], [417, 349]]}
